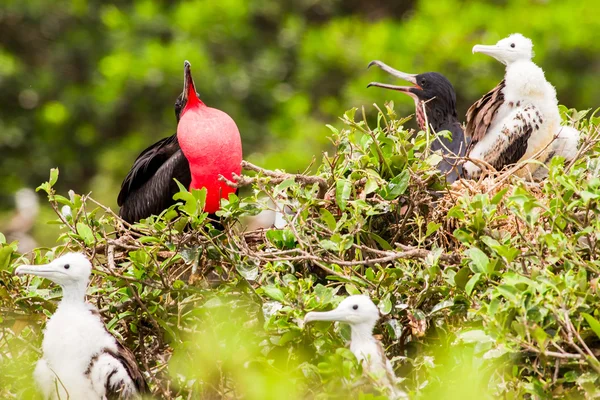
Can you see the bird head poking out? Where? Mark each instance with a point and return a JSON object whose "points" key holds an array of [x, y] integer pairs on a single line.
{"points": [[189, 93], [69, 271], [516, 47], [354, 310], [429, 88]]}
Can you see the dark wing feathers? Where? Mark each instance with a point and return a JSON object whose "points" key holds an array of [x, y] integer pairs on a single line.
{"points": [[457, 147], [481, 114], [515, 150], [149, 187], [146, 165], [126, 358]]}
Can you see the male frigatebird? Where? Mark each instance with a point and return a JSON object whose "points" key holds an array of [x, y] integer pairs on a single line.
{"points": [[361, 314], [518, 118], [207, 144], [81, 359], [436, 94]]}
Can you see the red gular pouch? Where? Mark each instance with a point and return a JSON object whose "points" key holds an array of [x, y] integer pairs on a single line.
{"points": [[211, 142]]}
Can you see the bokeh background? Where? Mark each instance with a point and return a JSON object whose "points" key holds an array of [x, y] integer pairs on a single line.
{"points": [[87, 85]]}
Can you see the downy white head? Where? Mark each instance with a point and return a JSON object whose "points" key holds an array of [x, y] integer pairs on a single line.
{"points": [[361, 314], [71, 271], [358, 311], [516, 47]]}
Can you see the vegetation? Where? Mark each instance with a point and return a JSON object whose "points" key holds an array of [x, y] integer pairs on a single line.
{"points": [[492, 281], [87, 85]]}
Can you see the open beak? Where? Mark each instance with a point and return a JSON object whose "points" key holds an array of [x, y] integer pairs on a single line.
{"points": [[412, 78], [189, 88], [45, 271], [333, 315]]}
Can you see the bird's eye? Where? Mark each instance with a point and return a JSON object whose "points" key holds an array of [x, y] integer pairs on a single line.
{"points": [[423, 82], [67, 266], [512, 45], [355, 307]]}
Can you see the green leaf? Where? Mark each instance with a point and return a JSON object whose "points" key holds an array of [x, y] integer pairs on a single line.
{"points": [[332, 129], [593, 323], [343, 188], [86, 233], [471, 283], [284, 185], [351, 289], [5, 255], [53, 176], [328, 218], [274, 292], [385, 305], [460, 279], [499, 196], [541, 337], [329, 245], [382, 242], [189, 201], [371, 186], [479, 260], [587, 196], [396, 186], [200, 196], [432, 227], [508, 292]]}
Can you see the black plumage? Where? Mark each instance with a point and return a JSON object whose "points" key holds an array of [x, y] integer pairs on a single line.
{"points": [[149, 186], [435, 95]]}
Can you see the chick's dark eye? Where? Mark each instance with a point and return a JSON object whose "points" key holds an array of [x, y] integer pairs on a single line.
{"points": [[423, 82], [67, 266], [355, 307], [512, 45]]}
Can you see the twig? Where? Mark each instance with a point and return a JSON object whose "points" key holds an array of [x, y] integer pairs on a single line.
{"points": [[277, 177]]}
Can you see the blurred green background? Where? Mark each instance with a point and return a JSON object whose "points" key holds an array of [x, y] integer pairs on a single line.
{"points": [[87, 85]]}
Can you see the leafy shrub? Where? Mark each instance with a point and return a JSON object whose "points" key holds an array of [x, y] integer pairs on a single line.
{"points": [[494, 281]]}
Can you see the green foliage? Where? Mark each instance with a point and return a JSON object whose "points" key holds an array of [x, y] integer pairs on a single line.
{"points": [[88, 84], [494, 280]]}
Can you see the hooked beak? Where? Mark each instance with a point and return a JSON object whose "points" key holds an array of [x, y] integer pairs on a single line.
{"points": [[48, 271], [333, 315], [493, 51], [189, 88], [412, 78]]}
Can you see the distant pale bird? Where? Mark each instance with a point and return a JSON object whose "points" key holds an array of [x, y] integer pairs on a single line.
{"points": [[81, 359], [20, 225], [519, 118], [361, 314]]}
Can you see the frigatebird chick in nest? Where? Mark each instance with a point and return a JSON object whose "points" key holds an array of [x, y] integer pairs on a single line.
{"points": [[81, 359], [435, 103], [362, 315], [518, 119]]}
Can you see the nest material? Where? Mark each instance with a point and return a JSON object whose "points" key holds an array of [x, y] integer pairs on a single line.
{"points": [[464, 190]]}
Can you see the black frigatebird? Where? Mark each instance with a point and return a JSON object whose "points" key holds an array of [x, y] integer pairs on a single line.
{"points": [[207, 144], [518, 118], [436, 94]]}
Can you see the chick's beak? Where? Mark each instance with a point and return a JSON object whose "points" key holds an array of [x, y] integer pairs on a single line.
{"points": [[333, 315], [412, 78], [45, 271]]}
